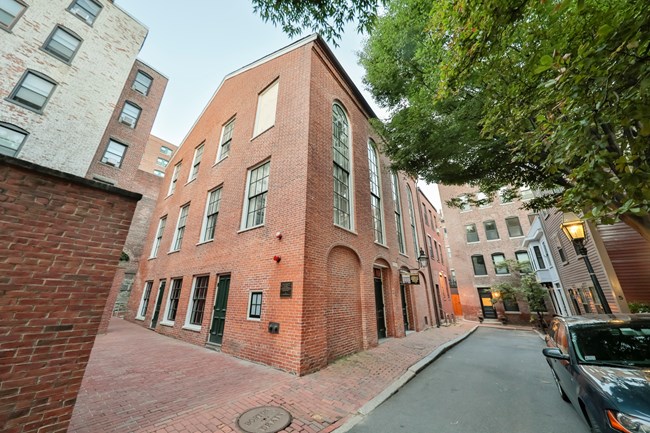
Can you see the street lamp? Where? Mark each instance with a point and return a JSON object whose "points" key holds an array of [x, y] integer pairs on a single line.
{"points": [[574, 229], [423, 259]]}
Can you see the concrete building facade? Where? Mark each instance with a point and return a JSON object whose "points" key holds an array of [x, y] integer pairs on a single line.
{"points": [[281, 233]]}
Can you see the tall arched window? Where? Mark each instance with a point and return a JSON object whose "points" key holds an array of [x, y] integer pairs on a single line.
{"points": [[375, 192], [398, 213], [416, 247], [341, 149]]}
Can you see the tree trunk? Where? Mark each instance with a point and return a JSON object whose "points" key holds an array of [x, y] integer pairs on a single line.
{"points": [[640, 225]]}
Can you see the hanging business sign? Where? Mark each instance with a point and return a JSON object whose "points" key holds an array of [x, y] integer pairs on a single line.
{"points": [[410, 278]]}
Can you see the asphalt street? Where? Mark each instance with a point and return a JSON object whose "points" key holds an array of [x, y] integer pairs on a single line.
{"points": [[495, 381]]}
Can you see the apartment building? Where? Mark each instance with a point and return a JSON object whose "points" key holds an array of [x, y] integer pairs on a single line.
{"points": [[480, 239], [282, 236]]}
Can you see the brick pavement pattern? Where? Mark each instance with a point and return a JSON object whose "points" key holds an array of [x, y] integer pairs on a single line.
{"points": [[140, 381]]}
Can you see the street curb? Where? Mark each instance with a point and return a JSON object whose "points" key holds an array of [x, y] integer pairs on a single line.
{"points": [[394, 387]]}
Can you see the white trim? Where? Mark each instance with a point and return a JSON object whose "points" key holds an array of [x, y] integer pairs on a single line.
{"points": [[138, 316], [204, 224], [248, 309], [165, 321], [196, 151], [264, 96], [196, 328], [156, 243], [178, 220], [176, 173], [219, 147], [244, 215]]}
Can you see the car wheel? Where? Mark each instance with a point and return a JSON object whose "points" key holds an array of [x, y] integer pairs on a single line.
{"points": [[559, 387]]}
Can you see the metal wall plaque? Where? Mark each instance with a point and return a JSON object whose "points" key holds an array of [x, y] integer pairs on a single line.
{"points": [[266, 419], [285, 289]]}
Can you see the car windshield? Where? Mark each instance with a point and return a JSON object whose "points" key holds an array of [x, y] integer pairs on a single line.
{"points": [[613, 344]]}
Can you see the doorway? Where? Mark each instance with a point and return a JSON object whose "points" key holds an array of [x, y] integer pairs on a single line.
{"points": [[379, 305], [485, 295], [156, 311], [405, 316], [219, 313]]}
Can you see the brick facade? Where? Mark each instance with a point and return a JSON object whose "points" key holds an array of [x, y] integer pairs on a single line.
{"points": [[59, 249], [331, 310], [135, 173], [462, 251]]}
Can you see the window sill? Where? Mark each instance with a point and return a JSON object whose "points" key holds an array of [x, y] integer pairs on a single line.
{"points": [[193, 328], [27, 107], [381, 245], [190, 181], [346, 229], [516, 237], [220, 161], [481, 276], [403, 255], [473, 243], [140, 318], [166, 323], [503, 275], [512, 312], [172, 252], [493, 240], [254, 319], [250, 228], [262, 132], [110, 165], [205, 242]]}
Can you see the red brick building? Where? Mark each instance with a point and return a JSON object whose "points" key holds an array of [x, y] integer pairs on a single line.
{"points": [[281, 231], [479, 238], [129, 157]]}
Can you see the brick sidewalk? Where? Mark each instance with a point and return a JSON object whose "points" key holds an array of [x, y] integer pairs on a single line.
{"points": [[140, 381]]}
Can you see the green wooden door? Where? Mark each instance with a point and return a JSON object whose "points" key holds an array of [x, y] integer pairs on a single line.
{"points": [[219, 314], [156, 311]]}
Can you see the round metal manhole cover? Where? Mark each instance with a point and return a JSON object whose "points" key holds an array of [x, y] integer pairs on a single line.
{"points": [[265, 419]]}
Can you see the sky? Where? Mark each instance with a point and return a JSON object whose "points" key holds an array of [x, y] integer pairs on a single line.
{"points": [[196, 43]]}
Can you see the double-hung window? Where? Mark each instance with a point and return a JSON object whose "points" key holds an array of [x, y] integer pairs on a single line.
{"points": [[174, 180], [255, 306], [375, 193], [211, 214], [341, 149], [471, 234], [172, 302], [524, 261], [196, 162], [226, 140], [142, 84], [180, 228], [409, 197], [33, 91], [114, 153], [431, 253], [130, 114], [144, 303], [162, 162], [398, 212], [62, 44], [256, 191], [514, 227], [159, 235], [11, 138], [166, 150], [499, 262], [197, 301], [87, 10], [491, 232], [539, 257], [10, 11], [478, 262]]}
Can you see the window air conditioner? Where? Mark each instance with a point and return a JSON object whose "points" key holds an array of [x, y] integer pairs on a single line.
{"points": [[127, 120], [82, 13]]}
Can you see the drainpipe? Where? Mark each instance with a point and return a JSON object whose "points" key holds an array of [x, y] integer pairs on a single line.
{"points": [[426, 248]]}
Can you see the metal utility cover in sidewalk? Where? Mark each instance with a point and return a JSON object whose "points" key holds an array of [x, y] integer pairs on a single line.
{"points": [[265, 419]]}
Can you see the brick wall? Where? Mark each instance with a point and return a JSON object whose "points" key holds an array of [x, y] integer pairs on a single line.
{"points": [[59, 247]]}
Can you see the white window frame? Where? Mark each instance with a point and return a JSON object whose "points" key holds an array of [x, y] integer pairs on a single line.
{"points": [[397, 208], [190, 305], [247, 199], [228, 126], [204, 226], [409, 197], [271, 91], [174, 178], [138, 315], [373, 160], [164, 320], [196, 162], [250, 302], [176, 230], [155, 247]]}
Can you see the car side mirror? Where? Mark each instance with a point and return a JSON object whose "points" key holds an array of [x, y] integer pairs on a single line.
{"points": [[554, 352]]}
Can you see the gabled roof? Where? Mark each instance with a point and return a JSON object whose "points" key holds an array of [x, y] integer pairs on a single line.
{"points": [[295, 45]]}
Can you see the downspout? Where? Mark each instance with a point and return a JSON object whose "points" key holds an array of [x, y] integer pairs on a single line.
{"points": [[436, 311]]}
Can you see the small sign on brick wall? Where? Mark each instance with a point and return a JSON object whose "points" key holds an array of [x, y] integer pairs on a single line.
{"points": [[286, 288]]}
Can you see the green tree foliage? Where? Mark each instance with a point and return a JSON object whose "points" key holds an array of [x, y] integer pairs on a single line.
{"points": [[549, 94], [521, 286], [327, 17]]}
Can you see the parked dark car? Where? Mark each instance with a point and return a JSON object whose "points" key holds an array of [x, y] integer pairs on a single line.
{"points": [[601, 364]]}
